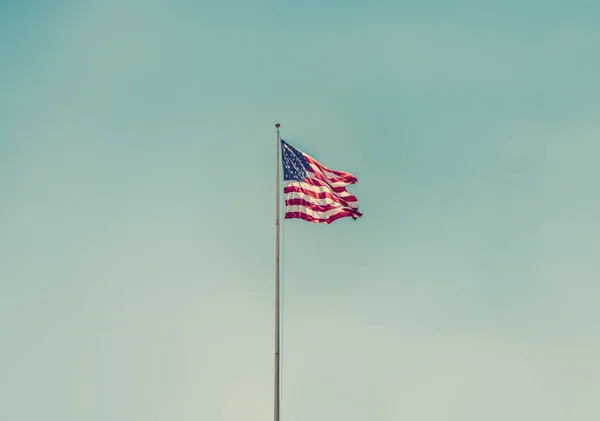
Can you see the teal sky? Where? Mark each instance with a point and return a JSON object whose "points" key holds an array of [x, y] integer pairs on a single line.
{"points": [[137, 155]]}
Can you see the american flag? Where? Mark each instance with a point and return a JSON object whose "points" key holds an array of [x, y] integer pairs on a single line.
{"points": [[313, 192]]}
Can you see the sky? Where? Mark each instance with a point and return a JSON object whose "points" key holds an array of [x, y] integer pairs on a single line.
{"points": [[137, 177]]}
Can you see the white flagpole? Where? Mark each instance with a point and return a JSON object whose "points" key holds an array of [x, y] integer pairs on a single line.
{"points": [[277, 329]]}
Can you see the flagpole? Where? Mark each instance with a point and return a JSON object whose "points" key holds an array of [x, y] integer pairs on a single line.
{"points": [[277, 329]]}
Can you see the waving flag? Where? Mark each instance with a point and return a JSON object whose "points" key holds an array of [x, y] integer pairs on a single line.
{"points": [[313, 192]]}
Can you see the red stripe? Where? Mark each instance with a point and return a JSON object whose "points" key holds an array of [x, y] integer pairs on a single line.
{"points": [[320, 195], [342, 174], [345, 178], [318, 208], [319, 183], [329, 182], [300, 215]]}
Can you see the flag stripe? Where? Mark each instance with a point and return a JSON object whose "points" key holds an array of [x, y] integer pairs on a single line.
{"points": [[317, 174], [322, 200], [331, 178], [333, 173], [317, 219], [317, 191], [315, 207], [313, 180]]}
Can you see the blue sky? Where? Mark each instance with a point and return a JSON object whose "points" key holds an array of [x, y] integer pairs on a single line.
{"points": [[136, 220]]}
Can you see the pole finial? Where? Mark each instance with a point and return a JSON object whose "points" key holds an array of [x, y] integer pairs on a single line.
{"points": [[278, 125]]}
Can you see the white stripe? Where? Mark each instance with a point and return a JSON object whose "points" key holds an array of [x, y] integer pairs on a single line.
{"points": [[321, 202], [327, 174], [315, 169], [317, 215], [316, 189], [329, 171]]}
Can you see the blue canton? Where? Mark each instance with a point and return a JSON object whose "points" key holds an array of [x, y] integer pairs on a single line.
{"points": [[294, 163]]}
